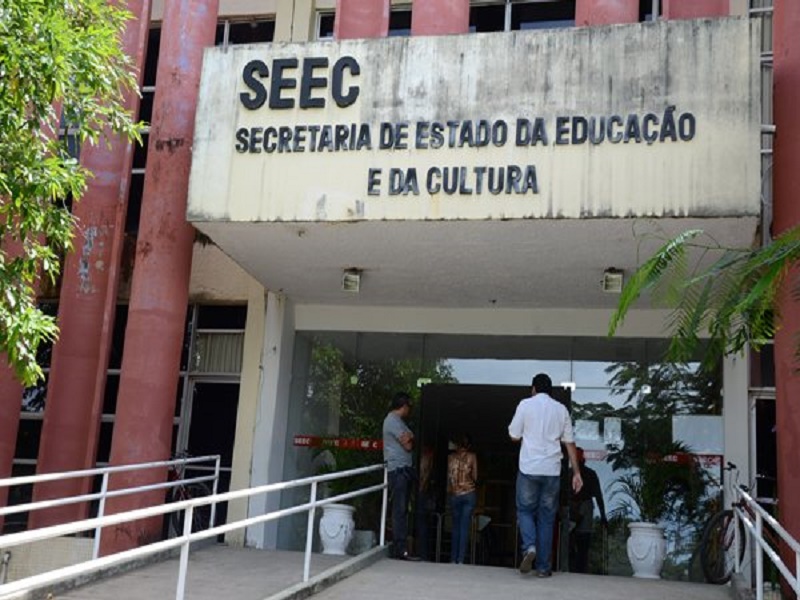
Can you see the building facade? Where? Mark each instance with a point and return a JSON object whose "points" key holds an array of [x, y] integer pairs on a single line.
{"points": [[340, 199]]}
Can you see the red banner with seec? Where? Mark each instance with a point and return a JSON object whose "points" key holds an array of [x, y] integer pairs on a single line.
{"points": [[315, 441]]}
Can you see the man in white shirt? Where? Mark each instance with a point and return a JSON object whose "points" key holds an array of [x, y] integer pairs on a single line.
{"points": [[542, 424]]}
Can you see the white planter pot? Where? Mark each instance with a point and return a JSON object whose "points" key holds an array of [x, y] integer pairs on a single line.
{"points": [[647, 549], [336, 528]]}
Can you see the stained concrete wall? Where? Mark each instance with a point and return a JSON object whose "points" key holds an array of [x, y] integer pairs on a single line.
{"points": [[703, 73]]}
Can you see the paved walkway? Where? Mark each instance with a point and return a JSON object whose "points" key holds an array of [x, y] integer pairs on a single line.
{"points": [[396, 580], [217, 572], [246, 574]]}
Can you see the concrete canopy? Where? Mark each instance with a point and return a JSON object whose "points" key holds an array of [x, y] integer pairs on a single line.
{"points": [[457, 264]]}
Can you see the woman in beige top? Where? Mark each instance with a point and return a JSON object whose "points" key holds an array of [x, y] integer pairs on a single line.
{"points": [[462, 473]]}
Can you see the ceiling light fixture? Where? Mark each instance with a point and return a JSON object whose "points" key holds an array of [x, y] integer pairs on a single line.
{"points": [[351, 280], [612, 281]]}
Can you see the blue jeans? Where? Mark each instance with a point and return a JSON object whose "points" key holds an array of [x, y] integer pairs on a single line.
{"points": [[537, 504], [463, 506], [399, 490]]}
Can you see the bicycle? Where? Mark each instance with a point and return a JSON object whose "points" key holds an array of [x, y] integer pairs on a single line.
{"points": [[717, 554], [201, 515]]}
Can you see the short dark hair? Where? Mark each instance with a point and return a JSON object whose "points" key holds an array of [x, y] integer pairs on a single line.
{"points": [[542, 383], [400, 400], [462, 440]]}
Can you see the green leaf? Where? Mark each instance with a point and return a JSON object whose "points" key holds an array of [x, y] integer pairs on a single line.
{"points": [[65, 54], [732, 301]]}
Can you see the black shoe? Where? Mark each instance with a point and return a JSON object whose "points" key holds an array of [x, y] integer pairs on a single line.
{"points": [[527, 561], [547, 573], [409, 557]]}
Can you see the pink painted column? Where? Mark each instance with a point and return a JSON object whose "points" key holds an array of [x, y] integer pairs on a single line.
{"points": [[160, 290], [786, 210], [10, 405], [439, 17], [87, 307], [361, 19], [11, 390], [606, 12], [695, 9]]}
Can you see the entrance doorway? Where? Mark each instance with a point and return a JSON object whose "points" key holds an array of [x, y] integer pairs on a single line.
{"points": [[483, 412], [210, 415]]}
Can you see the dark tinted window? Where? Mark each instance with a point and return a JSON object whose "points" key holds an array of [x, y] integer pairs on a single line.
{"points": [[28, 438], [400, 23], [110, 398], [646, 9], [118, 337], [104, 442], [35, 396], [221, 317], [253, 32], [245, 32], [151, 58], [487, 18], [326, 26], [543, 15], [134, 207], [140, 153]]}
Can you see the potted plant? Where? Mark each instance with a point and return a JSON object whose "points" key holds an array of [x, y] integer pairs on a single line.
{"points": [[659, 481], [336, 528], [350, 527], [663, 487]]}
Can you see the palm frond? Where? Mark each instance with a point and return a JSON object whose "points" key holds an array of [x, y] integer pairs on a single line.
{"points": [[651, 273], [733, 301]]}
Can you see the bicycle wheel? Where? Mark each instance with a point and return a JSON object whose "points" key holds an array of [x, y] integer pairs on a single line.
{"points": [[201, 515], [717, 547]]}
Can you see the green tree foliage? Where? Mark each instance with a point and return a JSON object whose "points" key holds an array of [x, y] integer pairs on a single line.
{"points": [[725, 294], [659, 480], [356, 394], [61, 63]]}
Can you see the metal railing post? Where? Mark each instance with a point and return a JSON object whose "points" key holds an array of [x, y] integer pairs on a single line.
{"points": [[797, 574], [384, 503], [184, 562], [737, 542], [310, 532], [759, 557], [101, 511], [214, 489]]}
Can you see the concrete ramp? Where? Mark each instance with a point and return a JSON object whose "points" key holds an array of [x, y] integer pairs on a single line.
{"points": [[396, 580], [227, 572], [247, 574]]}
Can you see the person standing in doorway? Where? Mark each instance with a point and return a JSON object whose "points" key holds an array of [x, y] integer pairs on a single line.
{"points": [[398, 442], [581, 515], [426, 502], [462, 475], [542, 424]]}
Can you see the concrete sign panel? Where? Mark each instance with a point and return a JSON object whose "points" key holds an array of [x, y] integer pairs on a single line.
{"points": [[652, 119]]}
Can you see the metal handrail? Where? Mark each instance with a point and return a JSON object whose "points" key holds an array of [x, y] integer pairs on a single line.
{"points": [[43, 504], [11, 481], [187, 537], [747, 507], [104, 492]]}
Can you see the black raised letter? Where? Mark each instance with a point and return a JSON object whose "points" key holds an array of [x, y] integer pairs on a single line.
{"points": [[309, 82], [279, 82], [259, 96], [342, 99], [374, 182]]}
